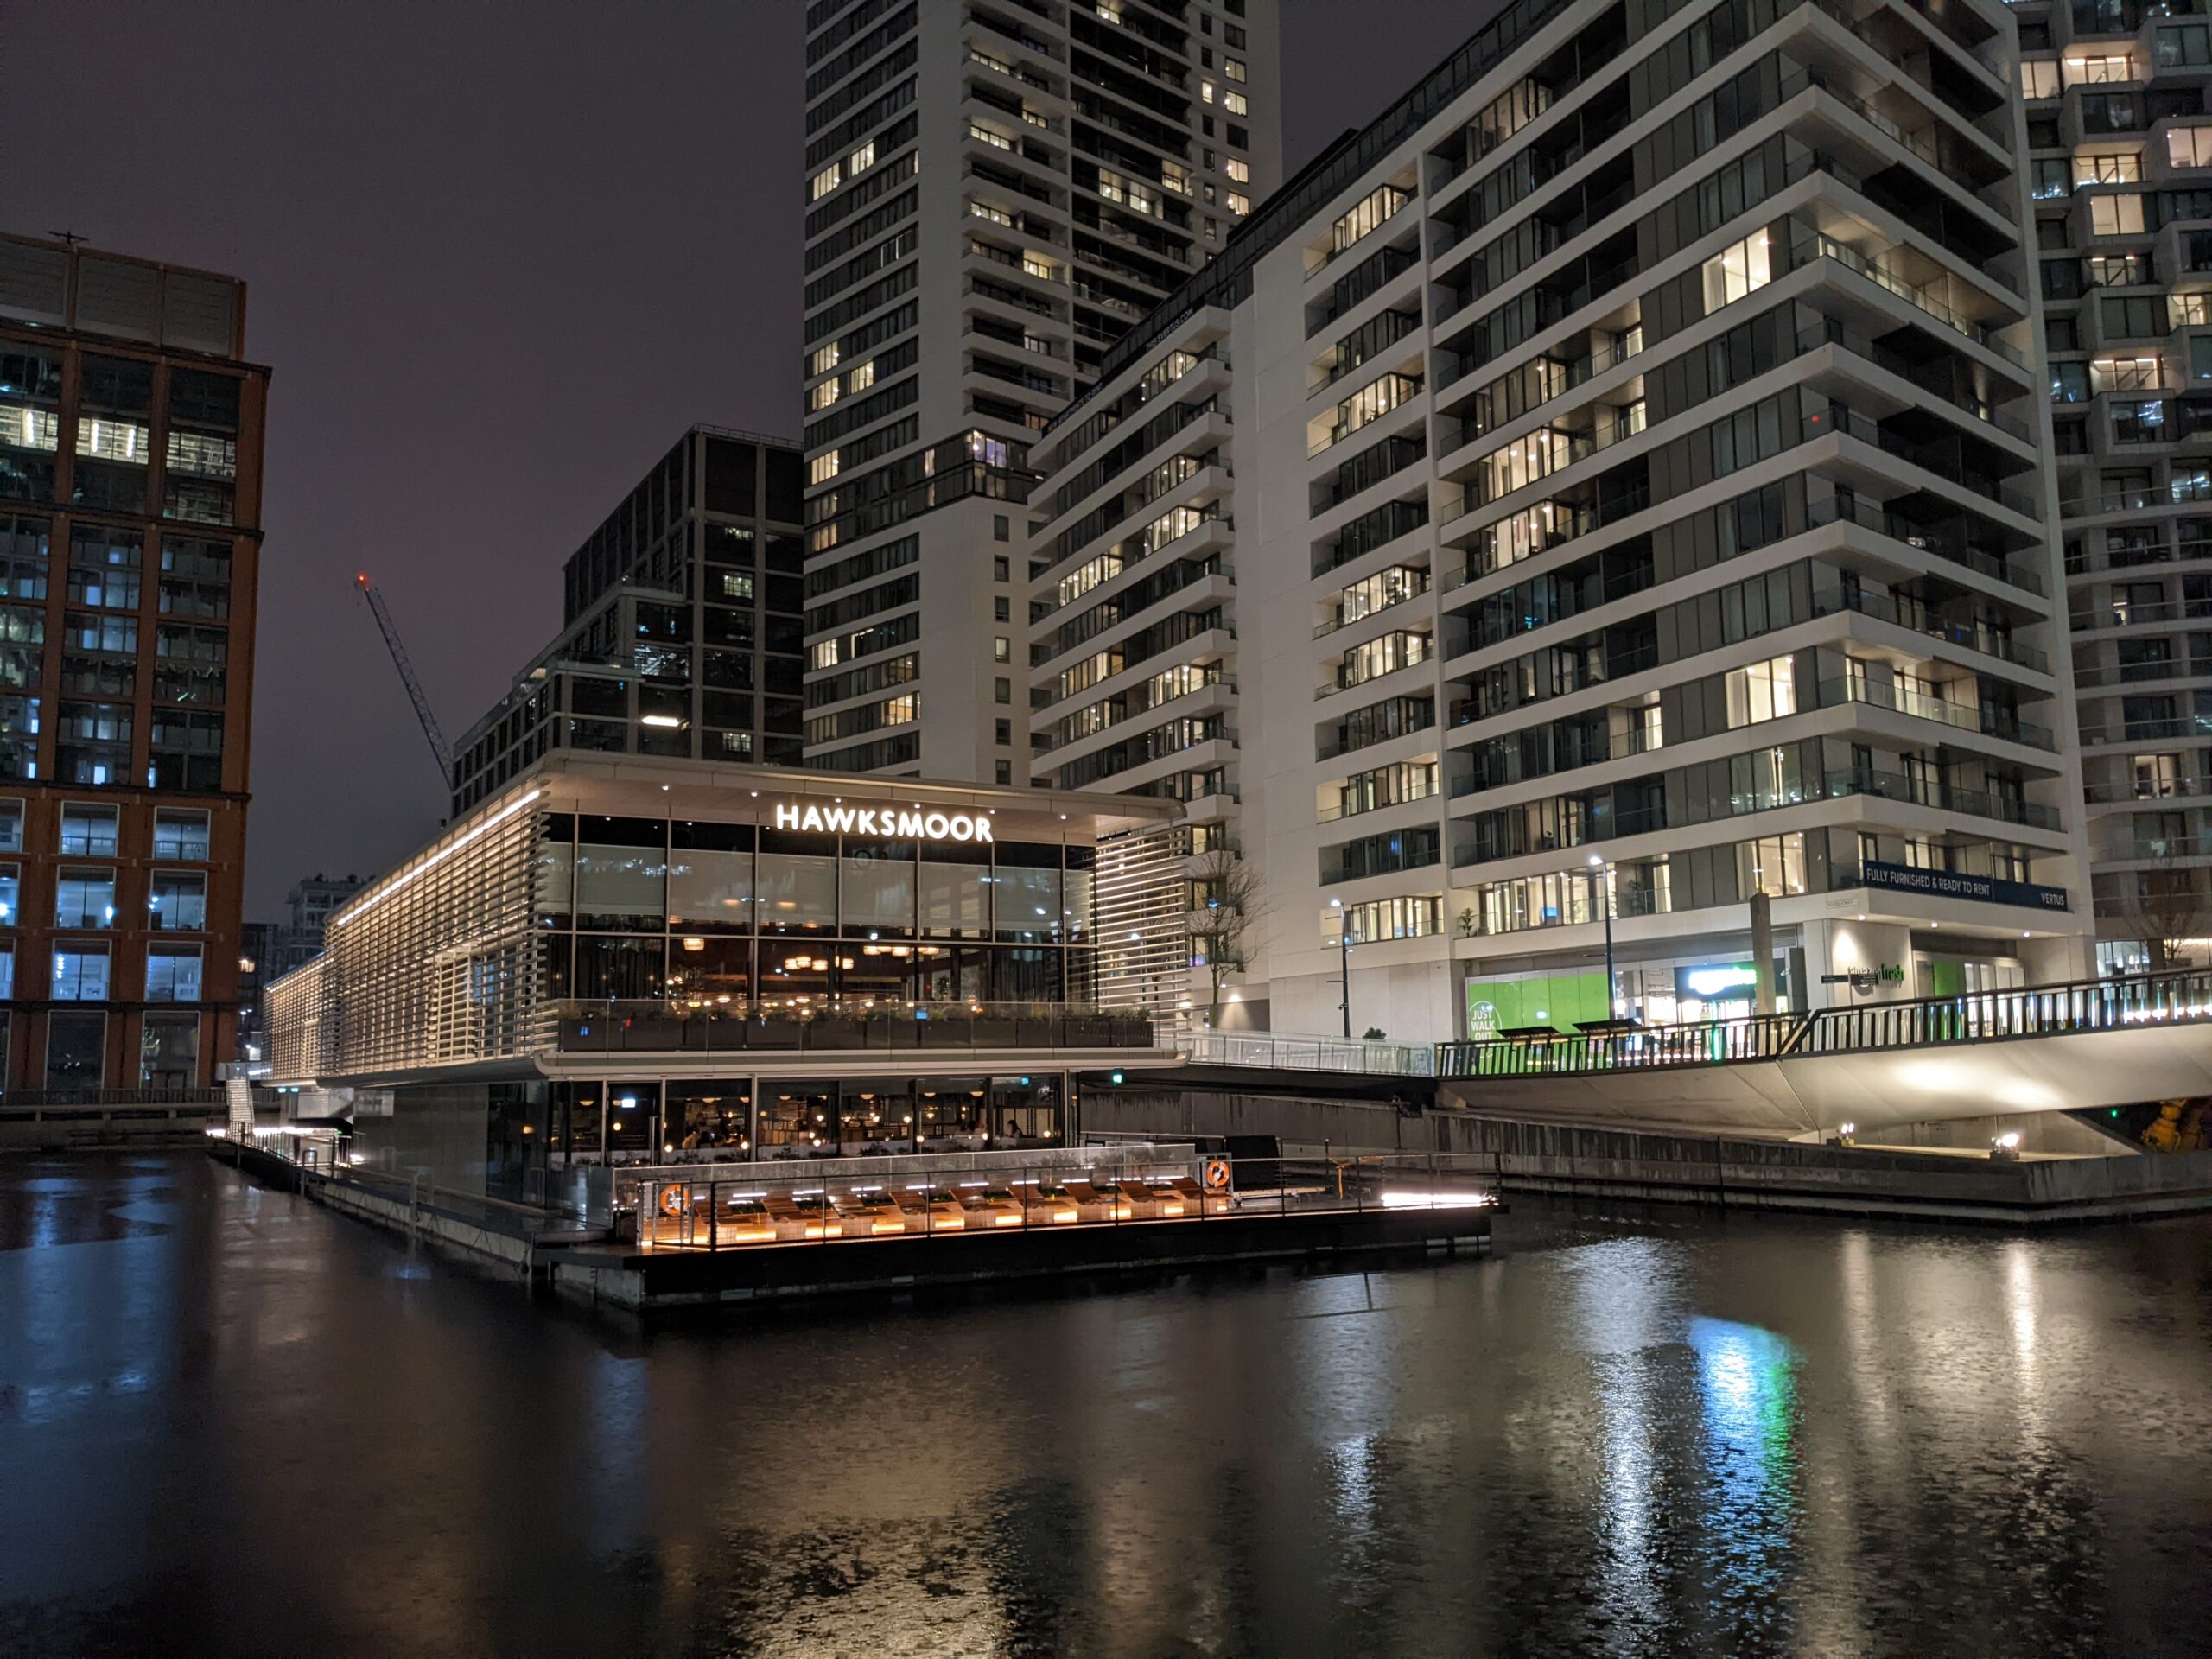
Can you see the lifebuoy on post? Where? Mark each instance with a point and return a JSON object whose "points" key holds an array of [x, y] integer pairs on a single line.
{"points": [[1216, 1175], [671, 1200]]}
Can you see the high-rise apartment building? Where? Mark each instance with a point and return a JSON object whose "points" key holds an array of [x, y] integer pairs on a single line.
{"points": [[1610, 487], [681, 621], [996, 190], [130, 437], [2120, 136]]}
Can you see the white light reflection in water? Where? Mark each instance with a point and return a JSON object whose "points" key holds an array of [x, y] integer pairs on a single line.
{"points": [[1626, 1522], [2027, 1349], [1748, 1386]]}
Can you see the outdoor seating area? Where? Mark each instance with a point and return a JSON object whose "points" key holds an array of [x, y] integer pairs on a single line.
{"points": [[716, 1215]]}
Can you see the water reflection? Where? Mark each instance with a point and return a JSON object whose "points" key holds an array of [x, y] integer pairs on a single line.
{"points": [[1648, 1436]]}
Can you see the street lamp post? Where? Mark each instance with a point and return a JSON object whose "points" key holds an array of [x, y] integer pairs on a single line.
{"points": [[1344, 962], [1603, 877]]}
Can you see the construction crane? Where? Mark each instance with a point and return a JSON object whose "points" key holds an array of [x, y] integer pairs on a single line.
{"points": [[439, 748]]}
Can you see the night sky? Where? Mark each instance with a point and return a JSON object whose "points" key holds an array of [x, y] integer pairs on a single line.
{"points": [[499, 258]]}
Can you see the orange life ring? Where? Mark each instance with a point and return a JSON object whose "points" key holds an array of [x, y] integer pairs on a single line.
{"points": [[1217, 1174], [671, 1200]]}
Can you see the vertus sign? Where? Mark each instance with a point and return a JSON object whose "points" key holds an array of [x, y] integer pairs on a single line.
{"points": [[872, 821]]}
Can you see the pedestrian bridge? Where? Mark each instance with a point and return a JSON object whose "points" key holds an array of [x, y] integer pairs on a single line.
{"points": [[2092, 1043]]}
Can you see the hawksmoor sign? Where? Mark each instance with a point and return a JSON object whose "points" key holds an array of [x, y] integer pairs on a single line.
{"points": [[882, 821]]}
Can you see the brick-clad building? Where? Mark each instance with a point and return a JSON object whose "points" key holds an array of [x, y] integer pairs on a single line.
{"points": [[130, 437]]}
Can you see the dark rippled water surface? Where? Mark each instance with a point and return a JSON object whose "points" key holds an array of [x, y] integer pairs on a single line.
{"points": [[233, 1422]]}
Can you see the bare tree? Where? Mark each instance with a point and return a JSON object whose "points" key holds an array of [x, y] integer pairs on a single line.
{"points": [[1224, 895], [2170, 912]]}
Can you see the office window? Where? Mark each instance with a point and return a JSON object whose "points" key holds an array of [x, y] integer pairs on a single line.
{"points": [[103, 568], [88, 831], [168, 1051], [1759, 691], [824, 181], [1739, 269], [84, 897], [75, 1046], [80, 973], [172, 973], [176, 901], [180, 832]]}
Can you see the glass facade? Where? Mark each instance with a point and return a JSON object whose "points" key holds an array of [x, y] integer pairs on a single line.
{"points": [[644, 1119], [700, 911]]}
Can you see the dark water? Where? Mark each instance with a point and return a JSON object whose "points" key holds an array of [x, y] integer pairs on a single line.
{"points": [[232, 1422]]}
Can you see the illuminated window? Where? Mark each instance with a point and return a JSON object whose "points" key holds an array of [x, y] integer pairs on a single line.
{"points": [[2039, 79], [2126, 374], [860, 160], [824, 181], [2118, 167], [23, 427], [1739, 269], [1239, 205], [1236, 103], [1373, 210], [1239, 172], [862, 377], [2189, 146], [1760, 691], [108, 439], [2119, 214], [2099, 71], [1773, 865], [80, 973], [824, 359], [822, 468], [822, 395], [2192, 309], [1233, 67], [172, 973]]}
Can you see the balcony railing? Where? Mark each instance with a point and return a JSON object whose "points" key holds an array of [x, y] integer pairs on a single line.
{"points": [[1909, 614], [1949, 797], [1920, 705], [1871, 516]]}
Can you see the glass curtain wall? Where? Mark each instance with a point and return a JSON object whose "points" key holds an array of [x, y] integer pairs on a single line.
{"points": [[710, 914]]}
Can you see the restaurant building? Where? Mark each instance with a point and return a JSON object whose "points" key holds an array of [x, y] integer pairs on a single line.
{"points": [[622, 959]]}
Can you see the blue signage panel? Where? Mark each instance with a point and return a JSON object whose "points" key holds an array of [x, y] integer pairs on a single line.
{"points": [[1946, 884]]}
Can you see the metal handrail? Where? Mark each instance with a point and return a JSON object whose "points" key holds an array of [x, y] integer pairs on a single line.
{"points": [[1289, 1052], [1982, 1016]]}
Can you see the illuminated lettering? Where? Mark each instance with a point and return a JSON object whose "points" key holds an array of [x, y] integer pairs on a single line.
{"points": [[883, 820]]}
